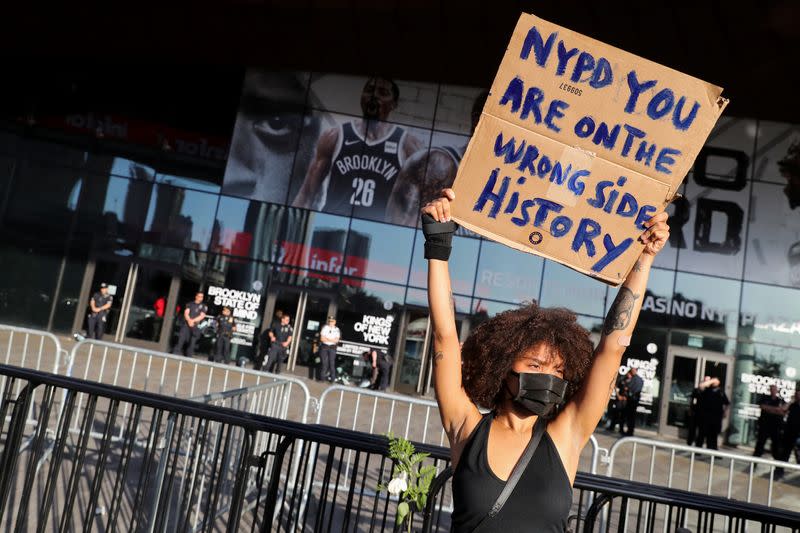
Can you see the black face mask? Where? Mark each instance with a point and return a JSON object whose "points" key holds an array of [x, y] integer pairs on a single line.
{"points": [[540, 393]]}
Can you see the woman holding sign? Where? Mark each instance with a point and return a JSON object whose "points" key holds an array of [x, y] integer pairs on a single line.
{"points": [[546, 386]]}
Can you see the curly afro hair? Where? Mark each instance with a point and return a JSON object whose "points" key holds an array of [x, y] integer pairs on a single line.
{"points": [[492, 348]]}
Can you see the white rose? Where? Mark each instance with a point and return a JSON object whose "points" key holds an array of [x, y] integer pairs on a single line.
{"points": [[398, 485]]}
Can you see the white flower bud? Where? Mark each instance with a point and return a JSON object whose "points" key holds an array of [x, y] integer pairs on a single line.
{"points": [[397, 486]]}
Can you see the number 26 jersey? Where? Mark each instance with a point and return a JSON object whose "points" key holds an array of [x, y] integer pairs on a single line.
{"points": [[362, 173]]}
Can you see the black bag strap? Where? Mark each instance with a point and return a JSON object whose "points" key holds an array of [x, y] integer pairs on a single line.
{"points": [[538, 432]]}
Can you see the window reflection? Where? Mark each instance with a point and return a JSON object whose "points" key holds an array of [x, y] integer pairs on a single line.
{"points": [[113, 211], [247, 228], [563, 287], [485, 309], [6, 170], [301, 277], [757, 367], [419, 298], [462, 264], [657, 304], [770, 314], [38, 204], [316, 241], [705, 303], [117, 165], [715, 227], [773, 238], [199, 184], [180, 217], [379, 251], [507, 274]]}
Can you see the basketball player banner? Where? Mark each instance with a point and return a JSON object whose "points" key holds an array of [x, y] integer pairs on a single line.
{"points": [[578, 145]]}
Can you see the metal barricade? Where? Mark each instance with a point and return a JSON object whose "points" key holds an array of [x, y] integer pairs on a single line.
{"points": [[199, 475], [33, 349], [415, 419], [711, 472], [381, 413], [182, 377], [182, 465]]}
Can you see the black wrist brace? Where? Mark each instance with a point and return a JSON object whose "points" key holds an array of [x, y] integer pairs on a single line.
{"points": [[438, 237]]}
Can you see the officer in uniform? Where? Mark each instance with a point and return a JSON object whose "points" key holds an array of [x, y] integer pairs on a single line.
{"points": [[329, 336], [281, 339], [226, 325], [384, 361], [99, 304], [193, 314]]}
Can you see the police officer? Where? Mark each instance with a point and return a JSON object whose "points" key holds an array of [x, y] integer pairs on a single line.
{"points": [[329, 336], [193, 314], [381, 366], [226, 325], [99, 304], [281, 339]]}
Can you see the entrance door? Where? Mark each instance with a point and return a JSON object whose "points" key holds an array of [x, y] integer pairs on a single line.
{"points": [[146, 309], [115, 274], [308, 311], [313, 310], [415, 338], [686, 367], [142, 297]]}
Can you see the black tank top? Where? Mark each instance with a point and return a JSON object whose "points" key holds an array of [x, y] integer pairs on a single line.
{"points": [[539, 503], [363, 172]]}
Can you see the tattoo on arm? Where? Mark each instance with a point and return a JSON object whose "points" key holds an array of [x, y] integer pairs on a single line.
{"points": [[438, 356], [619, 316], [637, 267]]}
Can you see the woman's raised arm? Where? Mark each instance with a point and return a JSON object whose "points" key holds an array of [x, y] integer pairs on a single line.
{"points": [[456, 409], [586, 408]]}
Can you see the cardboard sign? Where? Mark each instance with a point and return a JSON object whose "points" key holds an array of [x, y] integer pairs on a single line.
{"points": [[578, 145]]}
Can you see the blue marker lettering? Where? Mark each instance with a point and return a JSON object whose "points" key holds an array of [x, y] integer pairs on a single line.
{"points": [[545, 166], [633, 133], [509, 150], [603, 69], [564, 56], [585, 63], [584, 127], [556, 110], [489, 194], [683, 124], [512, 204], [531, 153], [541, 49], [645, 152], [513, 94], [612, 252], [608, 138], [587, 230], [533, 98], [645, 214], [664, 98], [575, 184], [523, 209], [560, 226], [628, 206], [636, 87], [545, 206], [665, 158], [600, 197]]}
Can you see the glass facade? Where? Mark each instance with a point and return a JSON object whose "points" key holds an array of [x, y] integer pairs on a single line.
{"points": [[319, 194]]}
